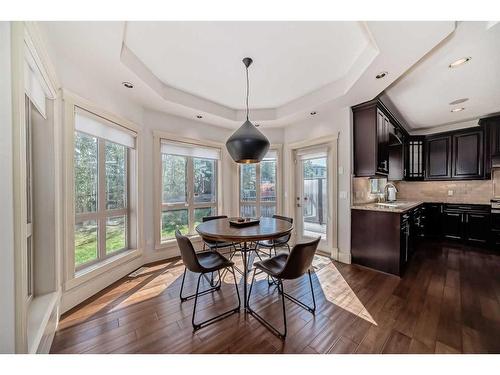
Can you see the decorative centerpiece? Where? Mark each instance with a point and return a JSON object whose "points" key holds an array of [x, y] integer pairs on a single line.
{"points": [[243, 221]]}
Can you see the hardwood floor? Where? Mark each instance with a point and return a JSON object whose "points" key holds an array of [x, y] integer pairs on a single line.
{"points": [[447, 302]]}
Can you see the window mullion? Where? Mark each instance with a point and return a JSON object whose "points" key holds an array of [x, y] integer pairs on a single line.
{"points": [[257, 188], [190, 198], [101, 199]]}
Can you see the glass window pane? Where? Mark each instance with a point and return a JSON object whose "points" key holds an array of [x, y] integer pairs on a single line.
{"points": [[248, 181], [116, 234], [85, 173], [85, 242], [172, 220], [315, 199], [204, 180], [174, 178], [116, 176], [248, 210], [200, 213], [267, 210], [268, 181]]}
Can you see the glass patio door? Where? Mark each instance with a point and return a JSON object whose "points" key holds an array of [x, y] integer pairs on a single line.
{"points": [[312, 193]]}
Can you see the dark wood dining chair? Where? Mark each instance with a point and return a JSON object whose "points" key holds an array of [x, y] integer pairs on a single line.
{"points": [[286, 267], [277, 242], [203, 263]]}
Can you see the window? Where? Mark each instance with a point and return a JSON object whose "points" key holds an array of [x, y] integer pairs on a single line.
{"points": [[258, 187], [188, 187], [101, 181]]}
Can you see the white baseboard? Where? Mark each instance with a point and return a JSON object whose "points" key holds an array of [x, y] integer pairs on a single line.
{"points": [[344, 257]]}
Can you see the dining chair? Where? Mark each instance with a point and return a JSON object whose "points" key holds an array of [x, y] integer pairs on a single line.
{"points": [[216, 245], [202, 263], [286, 267], [277, 242]]}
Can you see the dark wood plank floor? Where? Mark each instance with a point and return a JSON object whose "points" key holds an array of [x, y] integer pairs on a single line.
{"points": [[447, 302]]}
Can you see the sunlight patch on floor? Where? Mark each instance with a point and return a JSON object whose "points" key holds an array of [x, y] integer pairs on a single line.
{"points": [[337, 291]]}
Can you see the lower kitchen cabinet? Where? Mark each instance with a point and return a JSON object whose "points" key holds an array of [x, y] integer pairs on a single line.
{"points": [[452, 226], [467, 223], [477, 228], [380, 240], [432, 219]]}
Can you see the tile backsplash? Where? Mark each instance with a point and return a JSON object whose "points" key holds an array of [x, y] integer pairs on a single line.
{"points": [[474, 191]]}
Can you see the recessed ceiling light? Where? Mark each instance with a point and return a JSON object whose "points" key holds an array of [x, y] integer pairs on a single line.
{"points": [[128, 85], [381, 75], [199, 116], [313, 113], [458, 101], [459, 62], [458, 109]]}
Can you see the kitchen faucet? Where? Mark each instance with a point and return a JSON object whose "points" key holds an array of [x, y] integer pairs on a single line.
{"points": [[390, 192]]}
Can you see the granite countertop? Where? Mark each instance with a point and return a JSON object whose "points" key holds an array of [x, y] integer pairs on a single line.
{"points": [[402, 206]]}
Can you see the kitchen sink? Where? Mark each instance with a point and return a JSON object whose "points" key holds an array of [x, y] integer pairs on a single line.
{"points": [[392, 204]]}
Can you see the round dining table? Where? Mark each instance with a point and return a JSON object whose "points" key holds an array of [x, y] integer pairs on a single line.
{"points": [[221, 230]]}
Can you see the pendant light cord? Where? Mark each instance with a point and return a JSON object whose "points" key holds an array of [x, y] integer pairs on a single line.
{"points": [[248, 90]]}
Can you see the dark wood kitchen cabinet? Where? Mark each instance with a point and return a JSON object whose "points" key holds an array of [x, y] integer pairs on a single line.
{"points": [[379, 142], [491, 127], [371, 140], [452, 225], [468, 155], [467, 223], [380, 240], [438, 157], [477, 228], [433, 219]]}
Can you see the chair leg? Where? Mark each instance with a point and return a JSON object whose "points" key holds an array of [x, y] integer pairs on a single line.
{"points": [[268, 325], [210, 290], [312, 310], [197, 326]]}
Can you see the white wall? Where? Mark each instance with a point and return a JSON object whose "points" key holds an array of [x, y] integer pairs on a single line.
{"points": [[7, 309], [328, 122]]}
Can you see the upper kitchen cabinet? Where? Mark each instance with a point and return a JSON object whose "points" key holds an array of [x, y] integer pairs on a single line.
{"points": [[415, 167], [438, 158], [491, 127], [468, 155], [378, 142], [455, 155]]}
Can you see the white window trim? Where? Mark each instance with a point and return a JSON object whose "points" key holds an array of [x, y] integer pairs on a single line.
{"points": [[278, 148], [158, 136], [73, 277]]}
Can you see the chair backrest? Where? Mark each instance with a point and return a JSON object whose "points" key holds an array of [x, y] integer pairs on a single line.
{"points": [[285, 238], [208, 218], [188, 254], [300, 259]]}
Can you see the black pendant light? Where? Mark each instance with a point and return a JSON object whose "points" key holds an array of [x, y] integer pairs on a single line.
{"points": [[247, 144]]}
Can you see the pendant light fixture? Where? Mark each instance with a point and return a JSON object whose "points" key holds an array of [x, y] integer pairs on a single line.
{"points": [[247, 144]]}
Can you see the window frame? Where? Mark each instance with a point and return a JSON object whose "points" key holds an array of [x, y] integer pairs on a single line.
{"points": [[101, 215], [74, 277], [258, 203], [189, 205]]}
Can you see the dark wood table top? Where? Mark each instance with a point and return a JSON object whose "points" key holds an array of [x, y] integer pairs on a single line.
{"points": [[221, 230]]}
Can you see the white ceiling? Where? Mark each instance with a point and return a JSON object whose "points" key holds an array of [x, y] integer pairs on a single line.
{"points": [[423, 94], [195, 68], [291, 59]]}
